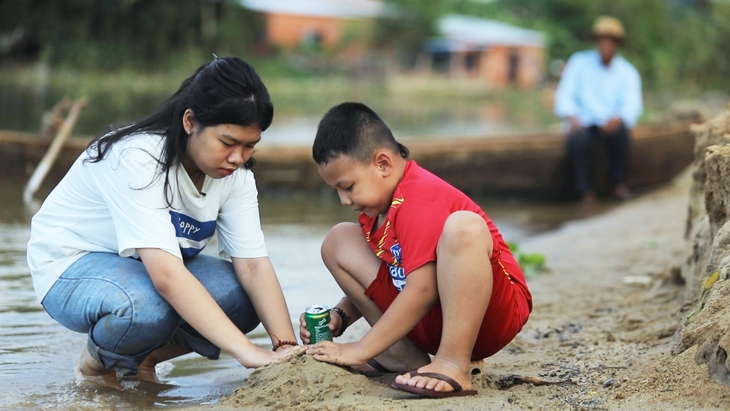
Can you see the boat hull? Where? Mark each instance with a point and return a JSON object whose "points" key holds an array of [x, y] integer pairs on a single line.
{"points": [[526, 165]]}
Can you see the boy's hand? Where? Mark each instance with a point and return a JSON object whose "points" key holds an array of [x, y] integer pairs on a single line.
{"points": [[340, 354], [305, 335]]}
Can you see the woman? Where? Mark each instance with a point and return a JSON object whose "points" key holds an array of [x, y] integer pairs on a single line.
{"points": [[114, 249]]}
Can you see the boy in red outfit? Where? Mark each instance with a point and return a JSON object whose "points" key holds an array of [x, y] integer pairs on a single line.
{"points": [[426, 267]]}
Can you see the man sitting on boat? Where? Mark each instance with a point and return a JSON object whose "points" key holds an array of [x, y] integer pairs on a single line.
{"points": [[599, 97]]}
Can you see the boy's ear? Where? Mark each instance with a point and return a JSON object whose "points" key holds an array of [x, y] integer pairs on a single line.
{"points": [[384, 162]]}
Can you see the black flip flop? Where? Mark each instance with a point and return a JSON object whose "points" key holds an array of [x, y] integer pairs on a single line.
{"points": [[379, 367], [457, 392]]}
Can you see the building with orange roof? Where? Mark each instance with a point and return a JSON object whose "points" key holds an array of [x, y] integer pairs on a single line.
{"points": [[330, 24], [500, 53]]}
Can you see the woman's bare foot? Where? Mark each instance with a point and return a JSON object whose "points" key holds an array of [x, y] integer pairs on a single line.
{"points": [[89, 370], [147, 372]]}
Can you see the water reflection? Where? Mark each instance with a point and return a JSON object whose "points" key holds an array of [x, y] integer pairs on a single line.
{"points": [[297, 113]]}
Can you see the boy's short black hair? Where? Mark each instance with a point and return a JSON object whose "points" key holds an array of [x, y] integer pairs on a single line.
{"points": [[352, 129]]}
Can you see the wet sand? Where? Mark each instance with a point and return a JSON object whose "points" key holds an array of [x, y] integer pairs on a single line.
{"points": [[597, 331]]}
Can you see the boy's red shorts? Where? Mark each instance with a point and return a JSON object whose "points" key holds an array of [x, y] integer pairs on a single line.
{"points": [[508, 310]]}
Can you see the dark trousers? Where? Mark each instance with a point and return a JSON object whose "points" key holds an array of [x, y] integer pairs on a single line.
{"points": [[582, 149]]}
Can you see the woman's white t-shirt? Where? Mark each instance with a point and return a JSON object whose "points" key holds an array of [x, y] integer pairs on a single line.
{"points": [[118, 205]]}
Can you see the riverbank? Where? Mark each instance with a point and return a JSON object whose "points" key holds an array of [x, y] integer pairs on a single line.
{"points": [[602, 328]]}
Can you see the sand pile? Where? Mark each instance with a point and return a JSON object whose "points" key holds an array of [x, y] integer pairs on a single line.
{"points": [[305, 384]]}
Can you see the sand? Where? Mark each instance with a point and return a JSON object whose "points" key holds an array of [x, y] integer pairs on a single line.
{"points": [[599, 337]]}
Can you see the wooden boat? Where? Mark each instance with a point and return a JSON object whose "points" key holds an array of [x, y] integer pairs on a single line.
{"points": [[525, 165]]}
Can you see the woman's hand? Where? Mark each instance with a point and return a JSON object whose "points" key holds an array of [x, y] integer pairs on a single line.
{"points": [[306, 336], [286, 353], [258, 357], [340, 354]]}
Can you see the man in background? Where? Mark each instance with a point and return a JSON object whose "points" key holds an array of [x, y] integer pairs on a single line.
{"points": [[599, 98]]}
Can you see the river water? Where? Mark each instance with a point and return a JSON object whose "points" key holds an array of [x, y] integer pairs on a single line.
{"points": [[37, 355]]}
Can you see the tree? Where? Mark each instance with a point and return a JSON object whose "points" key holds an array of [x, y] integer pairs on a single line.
{"points": [[113, 33], [406, 26]]}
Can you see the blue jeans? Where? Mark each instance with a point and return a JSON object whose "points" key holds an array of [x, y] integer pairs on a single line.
{"points": [[112, 298]]}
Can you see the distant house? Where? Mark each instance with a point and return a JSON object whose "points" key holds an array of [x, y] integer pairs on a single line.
{"points": [[500, 53], [328, 24]]}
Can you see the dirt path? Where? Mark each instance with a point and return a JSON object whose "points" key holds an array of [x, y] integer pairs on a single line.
{"points": [[595, 329]]}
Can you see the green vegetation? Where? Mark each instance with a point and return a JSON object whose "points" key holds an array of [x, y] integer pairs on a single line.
{"points": [[131, 34], [532, 264], [676, 44], [128, 55]]}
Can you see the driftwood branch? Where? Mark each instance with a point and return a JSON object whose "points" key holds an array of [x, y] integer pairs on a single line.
{"points": [[53, 118], [49, 158]]}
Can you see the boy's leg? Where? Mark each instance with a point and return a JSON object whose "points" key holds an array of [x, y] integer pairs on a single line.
{"points": [[354, 267], [464, 280]]}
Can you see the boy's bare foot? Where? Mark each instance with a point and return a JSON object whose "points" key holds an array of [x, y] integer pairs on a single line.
{"points": [[89, 370], [448, 369]]}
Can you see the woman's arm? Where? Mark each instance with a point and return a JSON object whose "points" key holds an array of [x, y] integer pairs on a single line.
{"points": [[198, 308], [258, 279]]}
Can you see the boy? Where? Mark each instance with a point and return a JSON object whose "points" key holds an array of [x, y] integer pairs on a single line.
{"points": [[426, 267]]}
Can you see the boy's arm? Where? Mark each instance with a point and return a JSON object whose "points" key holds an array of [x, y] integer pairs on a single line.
{"points": [[416, 299]]}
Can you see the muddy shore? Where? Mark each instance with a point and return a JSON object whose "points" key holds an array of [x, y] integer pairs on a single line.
{"points": [[599, 336]]}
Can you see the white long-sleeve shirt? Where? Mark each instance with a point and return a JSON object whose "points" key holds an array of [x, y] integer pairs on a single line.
{"points": [[595, 93]]}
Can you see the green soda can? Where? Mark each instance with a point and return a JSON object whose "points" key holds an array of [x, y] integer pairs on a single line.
{"points": [[317, 318]]}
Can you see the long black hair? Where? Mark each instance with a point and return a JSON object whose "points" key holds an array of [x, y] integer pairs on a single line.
{"points": [[224, 91]]}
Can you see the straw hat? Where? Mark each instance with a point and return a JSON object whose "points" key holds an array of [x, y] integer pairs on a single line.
{"points": [[606, 26]]}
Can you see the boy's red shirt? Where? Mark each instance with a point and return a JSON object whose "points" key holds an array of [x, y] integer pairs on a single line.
{"points": [[420, 206]]}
